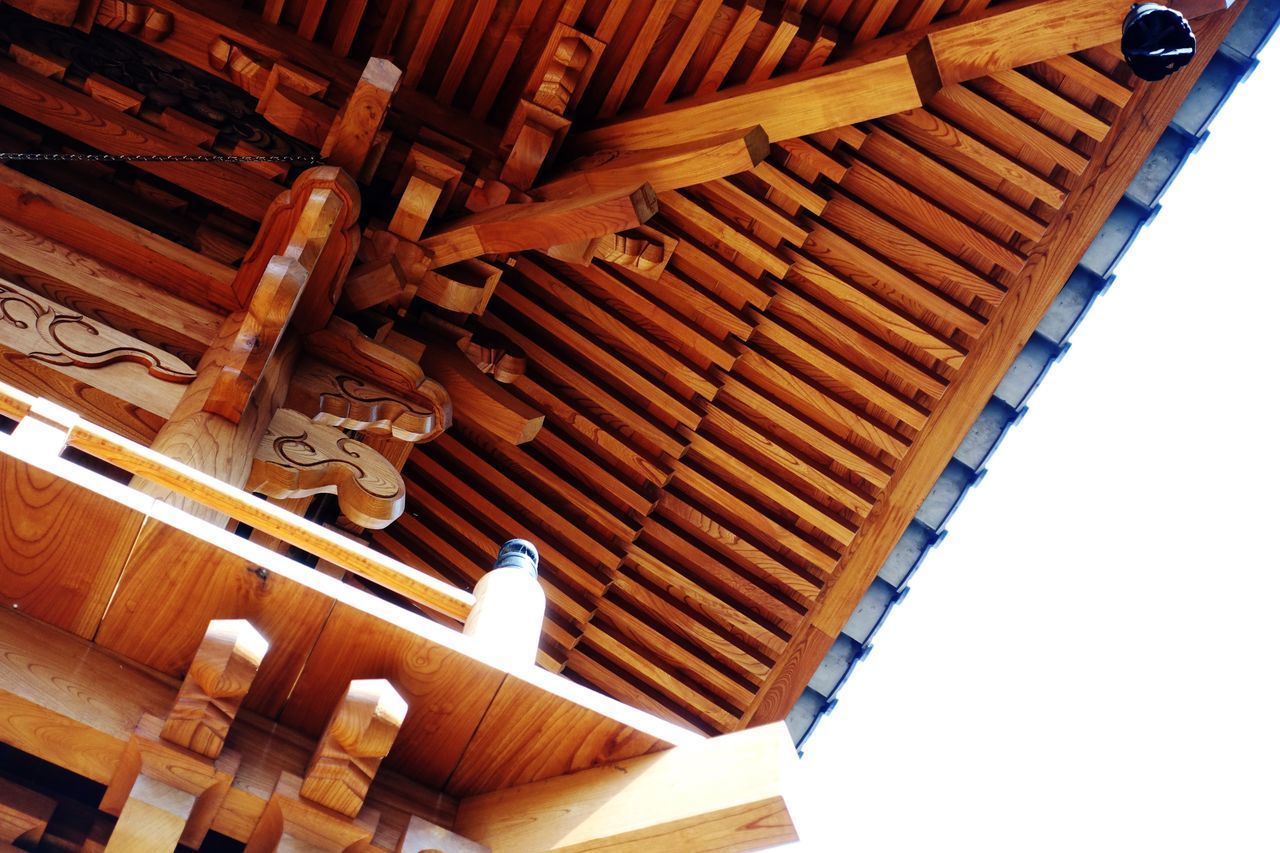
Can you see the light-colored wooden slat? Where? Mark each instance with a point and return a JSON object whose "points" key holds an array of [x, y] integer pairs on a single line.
{"points": [[690, 37], [924, 14], [726, 195], [722, 60], [797, 192], [879, 277], [783, 34], [802, 393], [719, 276], [752, 401], [634, 419], [995, 124], [694, 594], [875, 19], [956, 192], [1073, 69], [964, 151], [1052, 103], [687, 214]]}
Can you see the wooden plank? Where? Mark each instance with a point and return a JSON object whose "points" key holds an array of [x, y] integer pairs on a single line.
{"points": [[691, 36], [1112, 168], [1008, 131], [47, 568], [479, 15], [1021, 33], [1105, 87], [786, 29], [707, 78], [689, 215], [108, 130], [786, 107], [637, 49], [726, 793], [1052, 103]]}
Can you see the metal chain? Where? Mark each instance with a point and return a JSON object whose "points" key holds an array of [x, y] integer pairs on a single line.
{"points": [[308, 160]]}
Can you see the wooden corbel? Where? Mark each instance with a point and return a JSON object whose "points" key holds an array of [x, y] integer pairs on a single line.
{"points": [[299, 457], [147, 22], [325, 809], [426, 185], [174, 773], [352, 137]]}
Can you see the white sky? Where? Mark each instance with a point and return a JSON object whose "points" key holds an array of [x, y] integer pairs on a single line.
{"points": [[1088, 661]]}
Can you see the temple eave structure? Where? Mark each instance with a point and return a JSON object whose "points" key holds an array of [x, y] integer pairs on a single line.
{"points": [[312, 311]]}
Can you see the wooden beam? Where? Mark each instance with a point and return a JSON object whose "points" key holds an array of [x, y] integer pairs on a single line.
{"points": [[42, 209], [516, 227], [352, 135], [108, 130], [883, 77], [666, 168], [726, 793], [215, 685], [1030, 294], [480, 401]]}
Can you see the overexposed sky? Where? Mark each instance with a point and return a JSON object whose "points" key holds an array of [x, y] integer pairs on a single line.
{"points": [[1090, 661]]}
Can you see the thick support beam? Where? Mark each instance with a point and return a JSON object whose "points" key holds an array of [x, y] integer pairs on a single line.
{"points": [[216, 684], [516, 227], [881, 78], [726, 793], [670, 167], [352, 135]]}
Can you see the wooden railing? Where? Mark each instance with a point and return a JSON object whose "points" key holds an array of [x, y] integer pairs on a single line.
{"points": [[154, 467]]}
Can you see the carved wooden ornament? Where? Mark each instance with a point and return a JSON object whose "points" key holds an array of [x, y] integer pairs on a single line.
{"points": [[298, 458], [49, 333], [340, 399]]}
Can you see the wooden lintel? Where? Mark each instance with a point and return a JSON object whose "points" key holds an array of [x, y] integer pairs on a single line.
{"points": [[516, 227], [667, 168], [725, 793]]}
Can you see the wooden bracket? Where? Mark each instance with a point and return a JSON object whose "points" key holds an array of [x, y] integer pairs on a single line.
{"points": [[353, 134], [298, 457], [290, 822], [340, 399], [358, 736], [217, 682], [24, 814]]}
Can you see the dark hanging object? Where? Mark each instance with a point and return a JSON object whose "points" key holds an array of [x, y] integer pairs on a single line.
{"points": [[1157, 41]]}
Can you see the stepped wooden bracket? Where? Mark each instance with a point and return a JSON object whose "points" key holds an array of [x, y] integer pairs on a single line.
{"points": [[253, 335], [245, 69], [426, 185], [358, 736], [315, 223], [24, 814], [352, 137], [533, 136], [493, 354], [343, 400], [146, 22], [644, 251], [299, 457], [292, 822], [216, 683], [291, 100], [463, 287], [173, 775], [561, 74]]}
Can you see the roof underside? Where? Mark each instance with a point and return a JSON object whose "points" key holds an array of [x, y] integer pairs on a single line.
{"points": [[735, 438]]}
